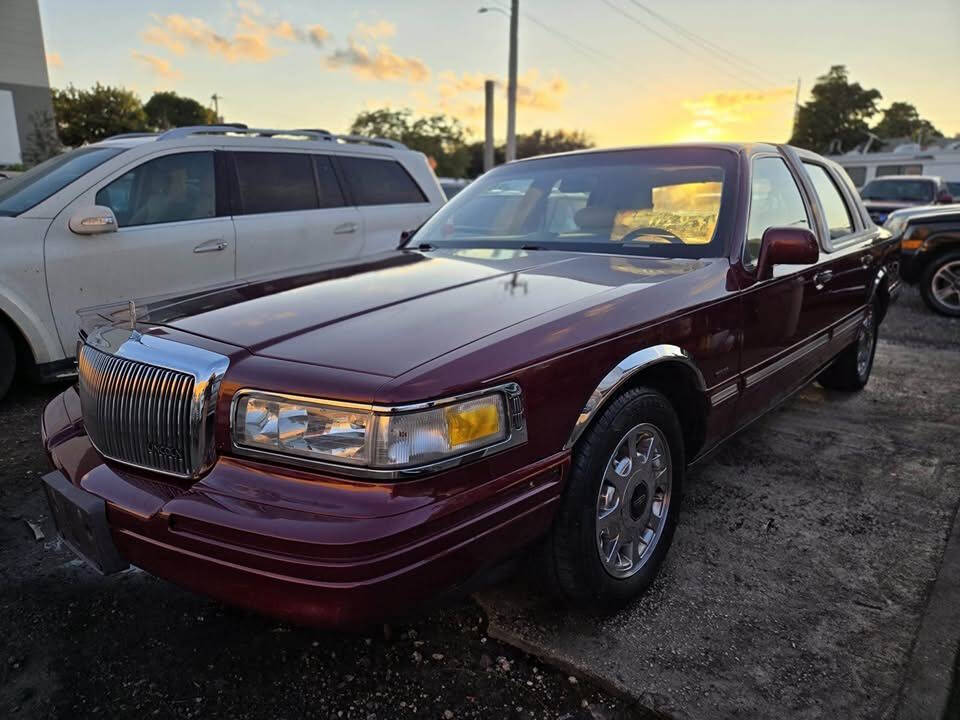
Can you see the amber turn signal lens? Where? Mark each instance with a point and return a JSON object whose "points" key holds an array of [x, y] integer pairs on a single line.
{"points": [[476, 423]]}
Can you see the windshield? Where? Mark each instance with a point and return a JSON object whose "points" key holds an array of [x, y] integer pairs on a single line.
{"points": [[898, 190], [22, 192], [664, 202]]}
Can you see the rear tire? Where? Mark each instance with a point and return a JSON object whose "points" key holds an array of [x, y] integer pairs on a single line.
{"points": [[8, 361], [619, 510], [850, 371], [940, 284]]}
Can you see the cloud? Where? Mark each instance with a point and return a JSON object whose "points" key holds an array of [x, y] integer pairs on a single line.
{"points": [[379, 29], [252, 40], [532, 92], [717, 115], [378, 64], [162, 68]]}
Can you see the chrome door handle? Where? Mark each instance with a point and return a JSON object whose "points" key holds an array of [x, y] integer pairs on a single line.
{"points": [[211, 246], [345, 228], [822, 278], [866, 261]]}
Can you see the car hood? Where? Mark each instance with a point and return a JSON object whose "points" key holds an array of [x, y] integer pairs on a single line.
{"points": [[393, 312], [889, 205]]}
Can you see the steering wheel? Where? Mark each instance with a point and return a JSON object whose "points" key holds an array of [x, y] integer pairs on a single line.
{"points": [[654, 231]]}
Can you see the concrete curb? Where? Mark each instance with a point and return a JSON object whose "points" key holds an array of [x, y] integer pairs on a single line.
{"points": [[925, 692]]}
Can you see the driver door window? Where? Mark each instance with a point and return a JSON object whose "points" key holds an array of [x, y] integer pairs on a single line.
{"points": [[775, 201], [172, 188]]}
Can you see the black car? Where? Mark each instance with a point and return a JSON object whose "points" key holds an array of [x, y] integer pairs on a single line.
{"points": [[930, 254], [884, 195]]}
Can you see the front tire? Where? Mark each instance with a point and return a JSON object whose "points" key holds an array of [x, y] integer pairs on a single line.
{"points": [[619, 511], [851, 369], [940, 285]]}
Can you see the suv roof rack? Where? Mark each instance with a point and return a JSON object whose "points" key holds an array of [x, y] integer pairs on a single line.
{"points": [[309, 134]]}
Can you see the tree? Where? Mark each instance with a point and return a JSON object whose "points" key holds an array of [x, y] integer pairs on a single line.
{"points": [[165, 110], [42, 141], [85, 116], [837, 114], [437, 136], [538, 142], [901, 120]]}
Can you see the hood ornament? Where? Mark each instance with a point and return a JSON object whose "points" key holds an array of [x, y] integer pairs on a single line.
{"points": [[132, 309]]}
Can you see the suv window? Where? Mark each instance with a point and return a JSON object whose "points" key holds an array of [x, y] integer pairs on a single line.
{"points": [[275, 182], [775, 201], [380, 182], [167, 189], [22, 192], [899, 170], [896, 190], [834, 207]]}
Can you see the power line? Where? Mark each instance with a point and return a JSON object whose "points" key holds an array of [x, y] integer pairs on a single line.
{"points": [[702, 41], [686, 50], [576, 44]]}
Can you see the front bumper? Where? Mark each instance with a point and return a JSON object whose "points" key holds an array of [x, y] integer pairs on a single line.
{"points": [[911, 266], [310, 549]]}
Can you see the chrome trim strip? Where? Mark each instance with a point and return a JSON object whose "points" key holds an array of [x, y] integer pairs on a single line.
{"points": [[623, 371], [722, 396], [846, 327], [513, 406], [149, 357], [783, 362]]}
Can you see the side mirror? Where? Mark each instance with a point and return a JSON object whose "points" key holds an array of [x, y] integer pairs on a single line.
{"points": [[786, 246], [93, 221], [944, 197]]}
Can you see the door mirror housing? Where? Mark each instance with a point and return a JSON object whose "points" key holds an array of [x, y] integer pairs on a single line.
{"points": [[944, 197], [93, 221], [786, 246]]}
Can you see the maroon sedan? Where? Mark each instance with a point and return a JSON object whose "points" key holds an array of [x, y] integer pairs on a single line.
{"points": [[537, 367]]}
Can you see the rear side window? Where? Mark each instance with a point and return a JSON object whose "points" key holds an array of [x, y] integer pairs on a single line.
{"points": [[275, 182], [838, 216], [172, 188], [380, 182], [775, 201]]}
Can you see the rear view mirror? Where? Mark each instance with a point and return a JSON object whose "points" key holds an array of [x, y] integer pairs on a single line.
{"points": [[786, 246], [93, 221]]}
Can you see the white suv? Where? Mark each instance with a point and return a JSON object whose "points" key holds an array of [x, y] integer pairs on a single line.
{"points": [[154, 215]]}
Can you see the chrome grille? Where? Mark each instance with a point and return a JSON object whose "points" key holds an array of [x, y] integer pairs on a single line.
{"points": [[137, 413]]}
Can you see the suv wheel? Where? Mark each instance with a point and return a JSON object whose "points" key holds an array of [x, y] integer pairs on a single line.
{"points": [[619, 510], [850, 371], [8, 361], [940, 284]]}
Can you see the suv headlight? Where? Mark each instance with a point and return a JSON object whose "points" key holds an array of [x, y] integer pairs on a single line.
{"points": [[372, 437]]}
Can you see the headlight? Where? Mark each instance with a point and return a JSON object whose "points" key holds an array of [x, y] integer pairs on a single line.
{"points": [[376, 438], [895, 225]]}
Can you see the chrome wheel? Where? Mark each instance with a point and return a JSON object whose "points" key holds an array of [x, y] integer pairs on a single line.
{"points": [[865, 343], [633, 500], [945, 285]]}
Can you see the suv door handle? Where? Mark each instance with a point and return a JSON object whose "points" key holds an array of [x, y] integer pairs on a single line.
{"points": [[822, 278], [345, 229], [214, 245]]}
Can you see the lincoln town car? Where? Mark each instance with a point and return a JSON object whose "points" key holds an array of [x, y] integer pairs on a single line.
{"points": [[532, 372]]}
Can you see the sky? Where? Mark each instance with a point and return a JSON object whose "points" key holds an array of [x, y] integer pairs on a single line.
{"points": [[626, 72]]}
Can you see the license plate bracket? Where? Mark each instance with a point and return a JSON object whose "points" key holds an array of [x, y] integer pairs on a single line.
{"points": [[81, 520]]}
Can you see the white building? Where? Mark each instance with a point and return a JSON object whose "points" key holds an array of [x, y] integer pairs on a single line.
{"points": [[24, 84]]}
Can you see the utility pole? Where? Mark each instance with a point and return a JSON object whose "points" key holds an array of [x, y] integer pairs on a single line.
{"points": [[216, 105], [512, 84], [488, 87]]}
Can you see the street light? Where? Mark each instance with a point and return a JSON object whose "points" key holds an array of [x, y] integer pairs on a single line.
{"points": [[512, 76]]}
